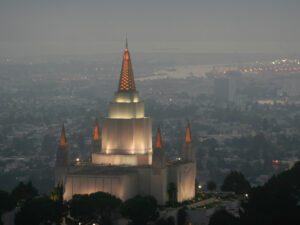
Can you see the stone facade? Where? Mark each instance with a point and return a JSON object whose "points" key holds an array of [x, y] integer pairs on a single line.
{"points": [[123, 161]]}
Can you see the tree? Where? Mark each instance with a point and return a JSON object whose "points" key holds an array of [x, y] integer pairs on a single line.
{"points": [[172, 192], [276, 202], [40, 210], [6, 203], [24, 192], [140, 210], [222, 217], [211, 185], [96, 207], [181, 216], [169, 221], [236, 182]]}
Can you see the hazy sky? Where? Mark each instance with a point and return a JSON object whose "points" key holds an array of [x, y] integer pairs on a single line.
{"points": [[46, 27]]}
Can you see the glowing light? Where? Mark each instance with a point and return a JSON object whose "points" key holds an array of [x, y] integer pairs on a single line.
{"points": [[77, 160], [246, 195], [126, 79], [188, 136], [96, 132], [63, 139], [199, 186], [158, 143]]}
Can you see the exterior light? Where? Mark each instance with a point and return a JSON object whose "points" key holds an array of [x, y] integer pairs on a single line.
{"points": [[246, 195], [199, 186], [77, 160]]}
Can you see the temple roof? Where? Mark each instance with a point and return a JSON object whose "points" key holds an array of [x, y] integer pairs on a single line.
{"points": [[96, 132], [188, 136], [63, 139], [158, 143], [126, 78]]}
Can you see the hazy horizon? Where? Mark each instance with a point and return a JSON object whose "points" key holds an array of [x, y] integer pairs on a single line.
{"points": [[32, 27]]}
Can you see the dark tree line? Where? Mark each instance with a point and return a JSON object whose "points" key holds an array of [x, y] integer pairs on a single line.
{"points": [[274, 203]]}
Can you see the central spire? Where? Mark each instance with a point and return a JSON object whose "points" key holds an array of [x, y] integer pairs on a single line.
{"points": [[126, 78]]}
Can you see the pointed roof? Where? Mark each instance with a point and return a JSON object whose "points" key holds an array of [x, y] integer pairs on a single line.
{"points": [[188, 135], [126, 78], [63, 139], [158, 143], [96, 132]]}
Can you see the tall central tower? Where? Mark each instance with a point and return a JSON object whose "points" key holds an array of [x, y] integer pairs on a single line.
{"points": [[126, 132]]}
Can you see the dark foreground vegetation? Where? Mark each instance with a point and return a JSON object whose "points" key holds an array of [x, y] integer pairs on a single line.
{"points": [[276, 202]]}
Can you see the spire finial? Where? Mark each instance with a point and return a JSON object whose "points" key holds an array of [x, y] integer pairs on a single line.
{"points": [[188, 136], [126, 77], [158, 143], [63, 139], [96, 131]]}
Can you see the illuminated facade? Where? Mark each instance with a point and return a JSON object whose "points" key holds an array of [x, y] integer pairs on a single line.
{"points": [[123, 161]]}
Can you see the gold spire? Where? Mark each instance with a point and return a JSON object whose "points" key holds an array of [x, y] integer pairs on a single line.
{"points": [[188, 136], [96, 132], [126, 78], [63, 139], [158, 143]]}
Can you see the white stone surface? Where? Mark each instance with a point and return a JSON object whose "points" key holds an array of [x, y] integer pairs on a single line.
{"points": [[122, 186], [127, 136]]}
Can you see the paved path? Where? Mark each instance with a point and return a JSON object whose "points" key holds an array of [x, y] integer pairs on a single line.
{"points": [[204, 202]]}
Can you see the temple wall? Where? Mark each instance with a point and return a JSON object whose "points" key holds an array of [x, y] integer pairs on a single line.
{"points": [[127, 136], [183, 175], [118, 159], [126, 110], [123, 186], [159, 184]]}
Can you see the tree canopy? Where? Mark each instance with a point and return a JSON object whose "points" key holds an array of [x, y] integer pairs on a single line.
{"points": [[140, 210], [24, 191], [39, 210], [96, 207], [236, 182], [211, 185], [276, 202]]}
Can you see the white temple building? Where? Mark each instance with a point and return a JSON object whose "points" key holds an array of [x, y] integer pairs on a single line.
{"points": [[124, 163]]}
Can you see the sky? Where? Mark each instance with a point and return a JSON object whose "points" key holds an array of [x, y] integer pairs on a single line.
{"points": [[64, 27]]}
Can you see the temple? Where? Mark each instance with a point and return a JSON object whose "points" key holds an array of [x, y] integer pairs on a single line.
{"points": [[123, 161]]}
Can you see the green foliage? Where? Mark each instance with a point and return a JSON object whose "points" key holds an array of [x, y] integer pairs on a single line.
{"points": [[222, 217], [169, 221], [211, 185], [6, 202], [277, 202], [56, 194], [96, 207], [23, 192], [172, 193], [140, 210], [40, 210], [181, 216], [236, 182]]}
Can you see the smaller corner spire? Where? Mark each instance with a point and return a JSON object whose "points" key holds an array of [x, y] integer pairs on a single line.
{"points": [[188, 135], [158, 143], [96, 131], [63, 139], [126, 45]]}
